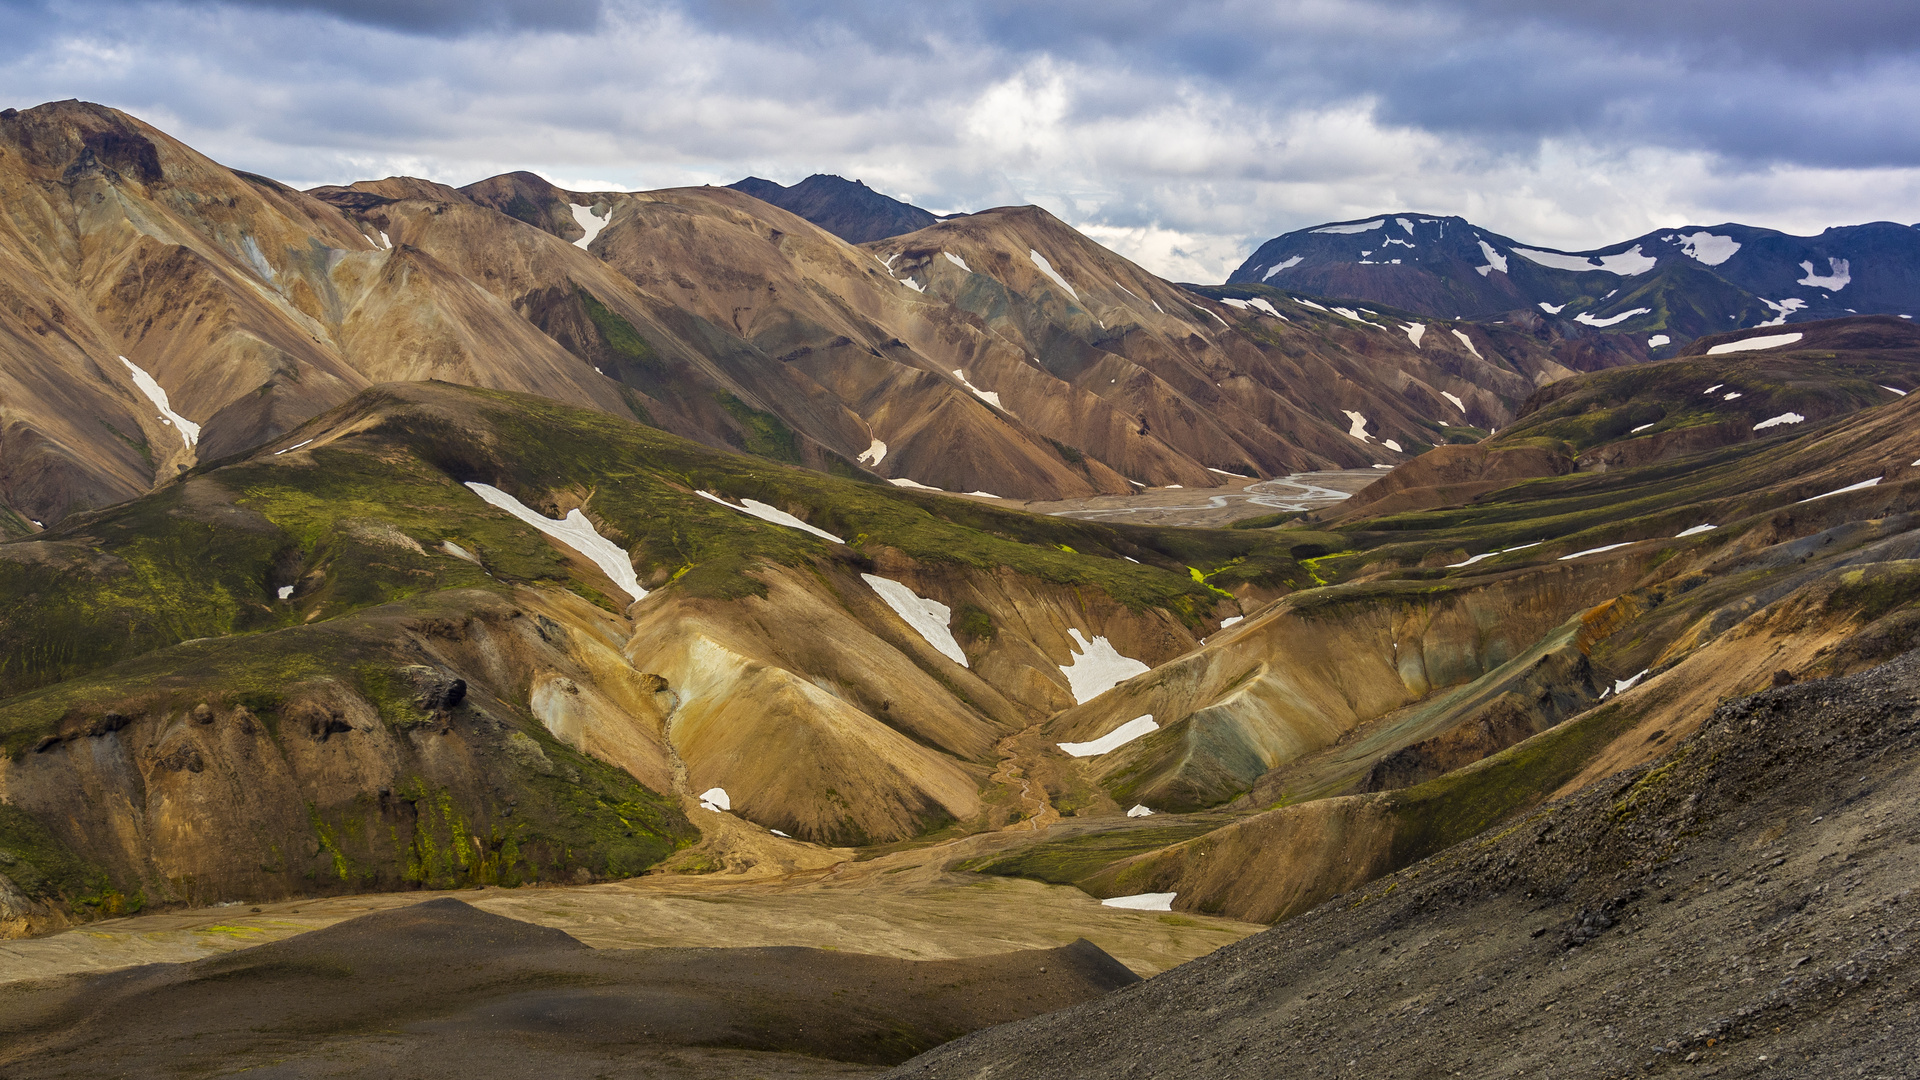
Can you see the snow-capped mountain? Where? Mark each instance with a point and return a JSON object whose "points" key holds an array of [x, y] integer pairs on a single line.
{"points": [[1672, 284]]}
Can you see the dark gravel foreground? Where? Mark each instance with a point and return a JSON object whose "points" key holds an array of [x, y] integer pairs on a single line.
{"points": [[1743, 906]]}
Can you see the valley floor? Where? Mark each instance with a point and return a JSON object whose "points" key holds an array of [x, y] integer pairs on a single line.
{"points": [[901, 905], [1241, 497]]}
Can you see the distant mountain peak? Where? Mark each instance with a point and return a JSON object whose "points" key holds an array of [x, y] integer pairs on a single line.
{"points": [[846, 208]]}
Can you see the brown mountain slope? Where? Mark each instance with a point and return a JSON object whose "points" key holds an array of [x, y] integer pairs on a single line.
{"points": [[705, 311], [1738, 907]]}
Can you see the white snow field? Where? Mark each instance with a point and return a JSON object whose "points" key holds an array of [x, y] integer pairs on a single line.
{"points": [[576, 532], [1468, 342], [1594, 551], [1626, 263], [1707, 248], [1288, 265], [1862, 485], [1658, 340], [1391, 445], [1457, 403], [930, 619], [1113, 740], [874, 454], [189, 431], [1552, 309], [1097, 667], [991, 397], [754, 508], [1766, 341], [1139, 810], [1415, 331], [1837, 277], [1046, 268], [1495, 260], [1695, 531], [957, 261], [1590, 320], [901, 481], [1231, 620], [1358, 425], [588, 220], [715, 799], [1146, 901]]}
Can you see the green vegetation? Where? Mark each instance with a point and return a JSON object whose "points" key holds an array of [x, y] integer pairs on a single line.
{"points": [[623, 344], [761, 433], [1067, 862]]}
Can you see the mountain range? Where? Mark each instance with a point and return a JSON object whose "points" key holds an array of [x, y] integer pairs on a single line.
{"points": [[1668, 286], [392, 537], [165, 310]]}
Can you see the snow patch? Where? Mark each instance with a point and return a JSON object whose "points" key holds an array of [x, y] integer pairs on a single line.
{"points": [[1405, 224], [576, 532], [957, 261], [1695, 531], [1625, 263], [585, 217], [1834, 280], [1709, 249], [1641, 428], [1782, 309], [1468, 342], [291, 449], [901, 481], [1304, 302], [984, 494], [189, 431], [1850, 487], [1776, 421], [1146, 901], [1730, 395], [1768, 341], [874, 454], [1098, 667], [715, 799], [1595, 551], [1139, 810], [991, 397], [1112, 740], [1457, 403], [1415, 331], [1288, 265], [1891, 390], [1231, 620], [1046, 268], [1552, 309], [1621, 686], [914, 285], [459, 552], [1391, 445], [1358, 425], [1495, 260], [930, 619], [1589, 320], [284, 591], [1658, 340], [774, 515]]}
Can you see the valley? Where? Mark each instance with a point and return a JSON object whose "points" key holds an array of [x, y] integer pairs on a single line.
{"points": [[822, 638]]}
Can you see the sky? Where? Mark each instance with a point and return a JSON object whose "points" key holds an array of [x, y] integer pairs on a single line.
{"points": [[1180, 134]]}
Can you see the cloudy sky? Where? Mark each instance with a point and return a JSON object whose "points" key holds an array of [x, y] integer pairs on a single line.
{"points": [[1180, 133]]}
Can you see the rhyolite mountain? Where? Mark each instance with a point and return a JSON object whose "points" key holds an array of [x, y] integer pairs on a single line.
{"points": [[848, 209], [165, 310], [1676, 284]]}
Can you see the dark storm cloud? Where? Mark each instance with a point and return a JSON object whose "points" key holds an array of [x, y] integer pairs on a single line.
{"points": [[441, 17], [1816, 83]]}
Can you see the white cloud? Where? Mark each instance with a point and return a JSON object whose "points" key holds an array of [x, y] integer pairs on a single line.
{"points": [[1182, 138]]}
